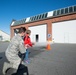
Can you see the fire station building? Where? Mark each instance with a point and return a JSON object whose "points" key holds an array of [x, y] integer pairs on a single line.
{"points": [[58, 26]]}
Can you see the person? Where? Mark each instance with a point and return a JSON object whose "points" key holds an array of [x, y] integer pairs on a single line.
{"points": [[16, 46], [27, 43]]}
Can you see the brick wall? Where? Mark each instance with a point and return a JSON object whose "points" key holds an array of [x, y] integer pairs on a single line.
{"points": [[48, 21]]}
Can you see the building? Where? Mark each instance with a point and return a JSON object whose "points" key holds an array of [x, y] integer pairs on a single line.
{"points": [[58, 26], [4, 36]]}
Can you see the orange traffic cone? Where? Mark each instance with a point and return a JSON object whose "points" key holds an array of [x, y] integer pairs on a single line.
{"points": [[48, 47]]}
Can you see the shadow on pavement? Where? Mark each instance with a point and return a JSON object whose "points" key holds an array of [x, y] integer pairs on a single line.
{"points": [[33, 52], [21, 70], [2, 60]]}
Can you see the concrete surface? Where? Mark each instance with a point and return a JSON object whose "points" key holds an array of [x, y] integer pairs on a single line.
{"points": [[60, 60]]}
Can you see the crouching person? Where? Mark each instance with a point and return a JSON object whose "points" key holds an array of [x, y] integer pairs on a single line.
{"points": [[16, 45]]}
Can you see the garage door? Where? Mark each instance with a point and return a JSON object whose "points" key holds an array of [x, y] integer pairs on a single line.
{"points": [[64, 32], [38, 33]]}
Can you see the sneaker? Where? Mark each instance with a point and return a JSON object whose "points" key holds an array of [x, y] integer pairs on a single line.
{"points": [[6, 66]]}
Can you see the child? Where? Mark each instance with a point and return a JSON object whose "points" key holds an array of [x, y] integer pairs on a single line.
{"points": [[27, 43]]}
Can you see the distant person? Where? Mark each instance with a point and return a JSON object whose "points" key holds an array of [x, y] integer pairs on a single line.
{"points": [[16, 46], [28, 43]]}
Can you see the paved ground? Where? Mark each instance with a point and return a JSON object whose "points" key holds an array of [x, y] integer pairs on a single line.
{"points": [[60, 60]]}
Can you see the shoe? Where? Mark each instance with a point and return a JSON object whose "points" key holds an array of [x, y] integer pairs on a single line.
{"points": [[6, 66]]}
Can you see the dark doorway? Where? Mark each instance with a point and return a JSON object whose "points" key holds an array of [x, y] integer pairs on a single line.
{"points": [[37, 37]]}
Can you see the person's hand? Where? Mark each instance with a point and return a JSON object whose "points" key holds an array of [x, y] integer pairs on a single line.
{"points": [[27, 46]]}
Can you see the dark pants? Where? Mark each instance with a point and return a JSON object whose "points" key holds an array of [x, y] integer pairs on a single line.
{"points": [[22, 70], [26, 54]]}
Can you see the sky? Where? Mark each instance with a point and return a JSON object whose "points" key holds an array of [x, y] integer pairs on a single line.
{"points": [[20, 9]]}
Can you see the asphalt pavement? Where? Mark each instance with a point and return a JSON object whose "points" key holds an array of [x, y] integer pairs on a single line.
{"points": [[60, 60]]}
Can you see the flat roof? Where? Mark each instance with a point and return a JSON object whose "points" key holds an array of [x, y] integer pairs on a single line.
{"points": [[55, 13]]}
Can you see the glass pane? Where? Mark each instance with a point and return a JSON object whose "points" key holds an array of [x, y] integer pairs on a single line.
{"points": [[35, 17], [54, 14], [46, 15], [66, 10], [70, 9], [62, 11], [16, 30], [74, 8], [39, 16], [32, 19], [58, 12], [43, 16], [24, 20]]}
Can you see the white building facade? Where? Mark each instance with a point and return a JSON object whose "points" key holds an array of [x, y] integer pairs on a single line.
{"points": [[58, 26], [4, 36]]}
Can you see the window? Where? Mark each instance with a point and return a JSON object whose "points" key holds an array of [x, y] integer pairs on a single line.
{"points": [[62, 11], [23, 21], [70, 9], [66, 10], [46, 15], [32, 18], [35, 17], [16, 31], [74, 8], [39, 16], [54, 14], [58, 12], [42, 15]]}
